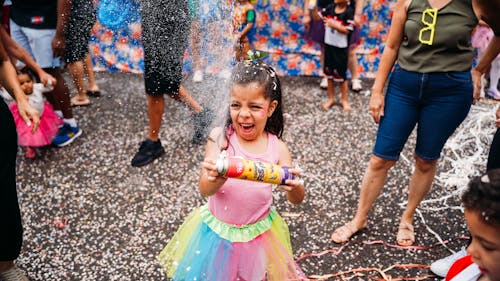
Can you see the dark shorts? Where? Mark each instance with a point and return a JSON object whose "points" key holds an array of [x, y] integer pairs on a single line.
{"points": [[316, 31], [164, 41], [77, 39], [11, 235], [335, 63], [436, 103], [354, 38]]}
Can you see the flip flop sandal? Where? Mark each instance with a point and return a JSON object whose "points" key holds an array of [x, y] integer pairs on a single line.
{"points": [[76, 102], [406, 234], [344, 233], [96, 93]]}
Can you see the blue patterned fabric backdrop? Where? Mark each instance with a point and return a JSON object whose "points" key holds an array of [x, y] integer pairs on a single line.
{"points": [[278, 31]]}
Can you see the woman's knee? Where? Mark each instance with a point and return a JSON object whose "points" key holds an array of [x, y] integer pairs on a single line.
{"points": [[379, 164], [424, 165]]}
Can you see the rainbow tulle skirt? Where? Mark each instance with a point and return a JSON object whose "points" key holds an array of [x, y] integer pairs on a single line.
{"points": [[205, 248]]}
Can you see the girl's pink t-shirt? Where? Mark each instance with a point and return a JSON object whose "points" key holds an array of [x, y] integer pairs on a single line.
{"points": [[240, 202]]}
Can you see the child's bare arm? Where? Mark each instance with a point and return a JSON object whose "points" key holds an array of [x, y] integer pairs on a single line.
{"points": [[210, 181], [295, 191]]}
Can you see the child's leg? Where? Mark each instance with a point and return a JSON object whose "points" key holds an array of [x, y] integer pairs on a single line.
{"points": [[331, 95], [343, 101], [494, 76]]}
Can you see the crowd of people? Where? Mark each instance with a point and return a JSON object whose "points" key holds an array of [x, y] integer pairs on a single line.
{"points": [[238, 235]]}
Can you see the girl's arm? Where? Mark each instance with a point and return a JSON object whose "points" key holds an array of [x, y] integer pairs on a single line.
{"points": [[294, 188], [389, 56], [337, 25], [210, 181], [19, 53], [8, 79], [306, 20]]}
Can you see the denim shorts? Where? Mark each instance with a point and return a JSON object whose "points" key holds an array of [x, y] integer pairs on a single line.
{"points": [[38, 43], [438, 102]]}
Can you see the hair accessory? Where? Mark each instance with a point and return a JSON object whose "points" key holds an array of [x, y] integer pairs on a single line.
{"points": [[255, 56]]}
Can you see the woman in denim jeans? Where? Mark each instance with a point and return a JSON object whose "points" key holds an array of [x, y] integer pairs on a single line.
{"points": [[428, 55]]}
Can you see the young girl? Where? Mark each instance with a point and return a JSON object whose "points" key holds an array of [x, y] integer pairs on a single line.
{"points": [[238, 235], [49, 121], [480, 40], [482, 213], [244, 19]]}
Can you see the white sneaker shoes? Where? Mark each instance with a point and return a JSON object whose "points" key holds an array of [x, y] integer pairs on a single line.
{"points": [[441, 267]]}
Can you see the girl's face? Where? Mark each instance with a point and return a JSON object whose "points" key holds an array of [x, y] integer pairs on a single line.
{"points": [[26, 83], [485, 246], [249, 110]]}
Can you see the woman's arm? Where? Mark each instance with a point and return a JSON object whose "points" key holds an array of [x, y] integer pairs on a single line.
{"points": [[8, 79], [389, 57], [19, 53], [484, 64], [210, 181], [295, 191]]}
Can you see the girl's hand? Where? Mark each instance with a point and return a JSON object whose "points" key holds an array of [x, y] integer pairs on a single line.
{"points": [[294, 188], [210, 169], [376, 105]]}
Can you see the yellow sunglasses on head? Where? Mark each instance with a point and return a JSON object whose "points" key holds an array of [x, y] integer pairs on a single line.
{"points": [[429, 19]]}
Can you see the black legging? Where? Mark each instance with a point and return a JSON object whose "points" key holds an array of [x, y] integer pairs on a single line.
{"points": [[11, 235], [494, 155]]}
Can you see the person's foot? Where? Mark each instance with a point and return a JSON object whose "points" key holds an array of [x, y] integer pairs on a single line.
{"points": [[327, 105], [202, 121], [441, 266], [356, 85], [13, 274], [492, 94], [30, 152], [198, 76], [345, 106], [345, 232], [406, 234], [324, 83], [78, 101], [148, 151], [66, 135]]}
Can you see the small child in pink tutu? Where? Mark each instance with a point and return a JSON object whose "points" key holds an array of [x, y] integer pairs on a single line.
{"points": [[238, 235], [480, 40], [49, 121]]}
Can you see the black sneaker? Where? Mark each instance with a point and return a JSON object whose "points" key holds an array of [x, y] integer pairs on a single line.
{"points": [[202, 121], [148, 151]]}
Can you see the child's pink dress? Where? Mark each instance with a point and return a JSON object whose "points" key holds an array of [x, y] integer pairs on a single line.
{"points": [[237, 236], [49, 121]]}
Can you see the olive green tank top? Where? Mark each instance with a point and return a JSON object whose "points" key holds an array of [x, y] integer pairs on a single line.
{"points": [[450, 48]]}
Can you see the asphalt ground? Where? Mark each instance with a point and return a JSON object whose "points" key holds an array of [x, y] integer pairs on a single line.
{"points": [[89, 215]]}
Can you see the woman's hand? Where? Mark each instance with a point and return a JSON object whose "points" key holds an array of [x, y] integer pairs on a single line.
{"points": [[47, 79], [29, 114], [306, 20], [376, 105], [477, 84]]}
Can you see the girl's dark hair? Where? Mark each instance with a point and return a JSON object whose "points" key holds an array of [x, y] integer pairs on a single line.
{"points": [[247, 72], [29, 72], [483, 196]]}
